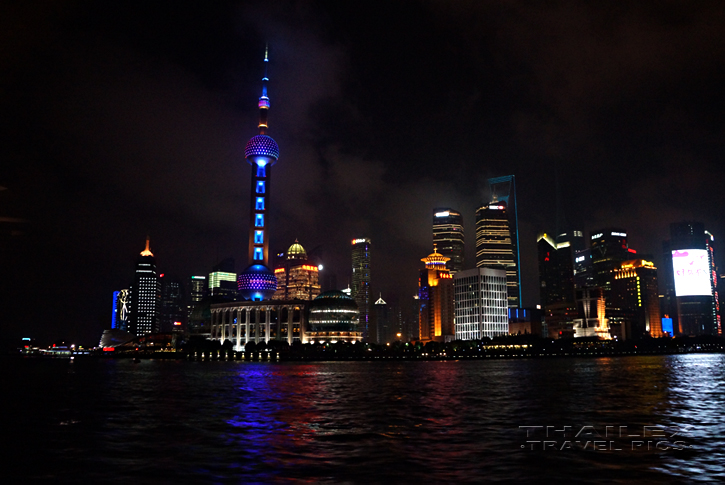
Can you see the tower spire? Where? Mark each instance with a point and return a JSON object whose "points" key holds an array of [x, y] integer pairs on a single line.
{"points": [[147, 251], [264, 99]]}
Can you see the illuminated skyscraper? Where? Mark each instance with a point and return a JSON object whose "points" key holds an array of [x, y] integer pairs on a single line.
{"points": [[503, 189], [448, 236], [609, 249], [257, 281], [381, 332], [481, 303], [146, 299], [690, 280], [223, 279], [361, 282], [635, 292], [435, 295], [494, 247], [297, 276]]}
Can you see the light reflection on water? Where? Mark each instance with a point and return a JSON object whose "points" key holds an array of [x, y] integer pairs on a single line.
{"points": [[116, 421]]}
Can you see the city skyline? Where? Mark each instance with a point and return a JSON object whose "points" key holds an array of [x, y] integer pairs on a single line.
{"points": [[121, 125]]}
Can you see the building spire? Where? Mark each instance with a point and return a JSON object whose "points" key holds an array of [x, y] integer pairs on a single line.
{"points": [[264, 99], [147, 251]]}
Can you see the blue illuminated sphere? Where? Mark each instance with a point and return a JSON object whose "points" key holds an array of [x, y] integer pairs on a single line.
{"points": [[257, 282], [261, 146]]}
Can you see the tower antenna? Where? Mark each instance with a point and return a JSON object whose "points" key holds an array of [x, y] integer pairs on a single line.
{"points": [[264, 99]]}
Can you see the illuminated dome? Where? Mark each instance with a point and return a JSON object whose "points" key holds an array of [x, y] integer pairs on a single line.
{"points": [[261, 146], [296, 251], [333, 311], [257, 282]]}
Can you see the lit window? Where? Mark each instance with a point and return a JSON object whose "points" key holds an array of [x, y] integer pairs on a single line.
{"points": [[258, 255], [261, 172], [259, 220], [260, 204], [258, 237], [260, 187]]}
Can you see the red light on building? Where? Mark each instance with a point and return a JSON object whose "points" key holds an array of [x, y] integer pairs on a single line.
{"points": [[108, 349], [632, 250], [177, 324], [161, 275]]}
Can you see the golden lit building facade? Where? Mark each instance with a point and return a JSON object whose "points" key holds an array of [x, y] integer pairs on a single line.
{"points": [[298, 278], [635, 291], [435, 296], [495, 247]]}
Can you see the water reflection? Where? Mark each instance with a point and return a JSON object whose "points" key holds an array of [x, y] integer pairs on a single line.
{"points": [[368, 421]]}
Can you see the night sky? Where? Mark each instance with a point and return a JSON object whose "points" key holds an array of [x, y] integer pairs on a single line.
{"points": [[125, 119]]}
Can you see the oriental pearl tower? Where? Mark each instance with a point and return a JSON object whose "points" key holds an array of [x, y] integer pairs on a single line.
{"points": [[257, 281]]}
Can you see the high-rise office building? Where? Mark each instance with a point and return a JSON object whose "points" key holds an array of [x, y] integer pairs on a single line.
{"points": [[297, 276], [481, 303], [556, 281], [197, 292], [635, 292], [223, 280], [146, 300], [690, 280], [448, 236], [435, 295], [257, 281], [361, 282], [609, 249], [556, 271], [503, 189], [173, 308], [494, 247], [381, 327]]}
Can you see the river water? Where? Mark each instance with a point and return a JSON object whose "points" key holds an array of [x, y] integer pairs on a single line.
{"points": [[623, 419]]}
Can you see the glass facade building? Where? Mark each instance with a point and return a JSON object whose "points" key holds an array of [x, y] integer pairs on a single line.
{"points": [[361, 282], [494, 246], [449, 238], [481, 303]]}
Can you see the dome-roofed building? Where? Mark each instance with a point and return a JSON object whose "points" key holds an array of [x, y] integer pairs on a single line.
{"points": [[297, 277], [333, 317]]}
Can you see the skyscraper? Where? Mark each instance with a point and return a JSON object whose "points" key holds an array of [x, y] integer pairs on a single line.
{"points": [[435, 295], [503, 189], [381, 324], [257, 281], [146, 300], [173, 310], [690, 280], [635, 292], [448, 236], [297, 276], [223, 279], [609, 249], [494, 247], [361, 282], [481, 303], [197, 292]]}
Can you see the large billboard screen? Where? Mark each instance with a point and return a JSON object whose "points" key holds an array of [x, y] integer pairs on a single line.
{"points": [[692, 272]]}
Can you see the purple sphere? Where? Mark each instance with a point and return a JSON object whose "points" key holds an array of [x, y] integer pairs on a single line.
{"points": [[261, 146]]}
